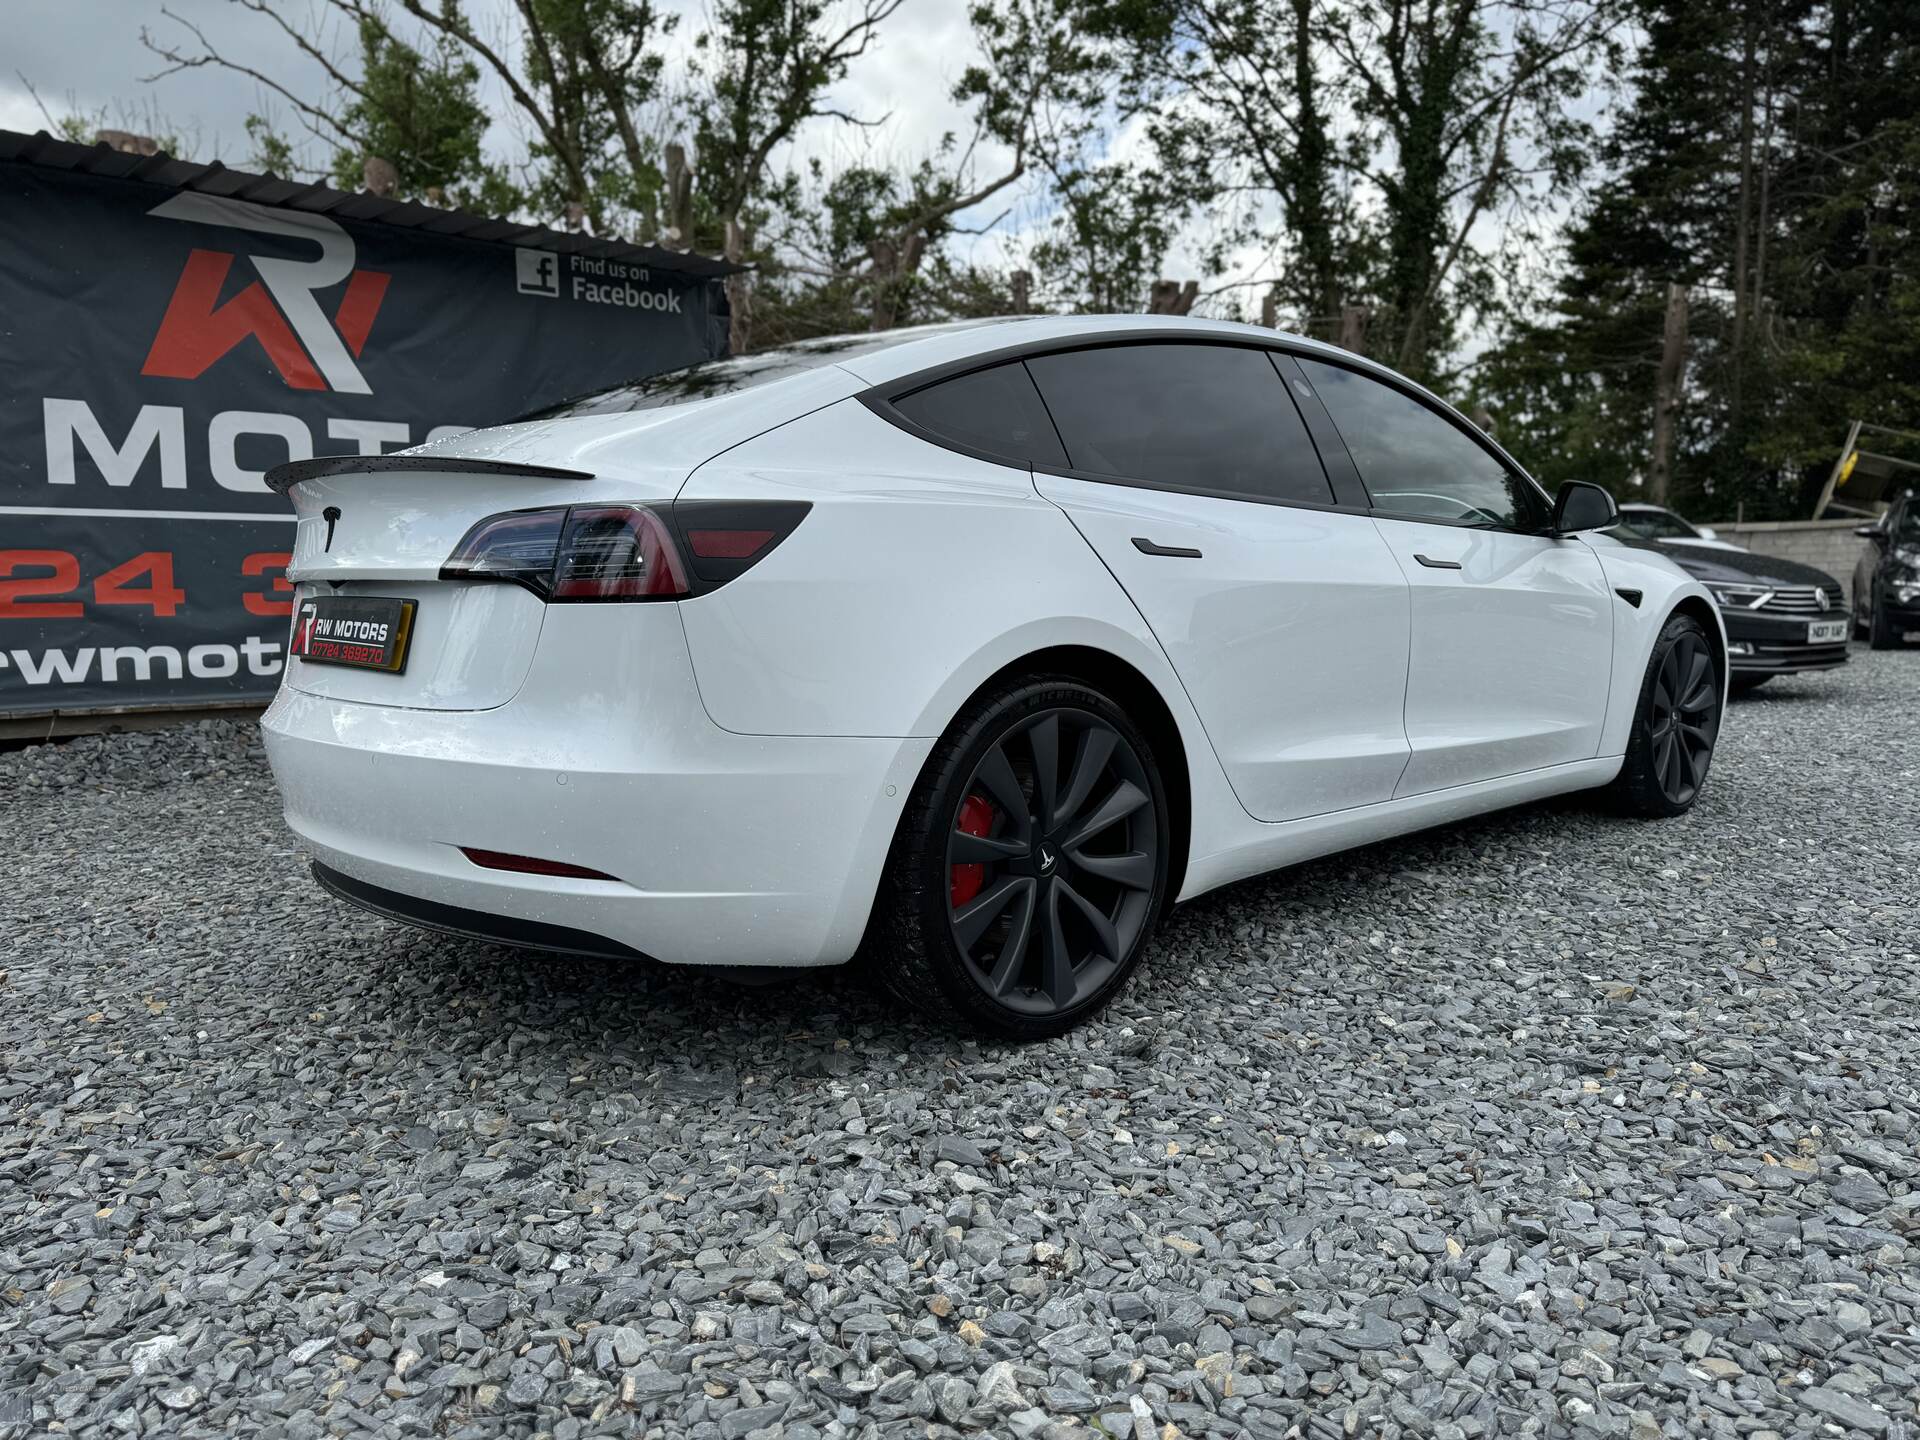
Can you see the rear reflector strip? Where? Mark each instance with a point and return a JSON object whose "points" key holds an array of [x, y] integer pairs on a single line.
{"points": [[727, 544], [528, 865]]}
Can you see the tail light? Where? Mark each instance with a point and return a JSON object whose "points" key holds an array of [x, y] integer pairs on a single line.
{"points": [[623, 552]]}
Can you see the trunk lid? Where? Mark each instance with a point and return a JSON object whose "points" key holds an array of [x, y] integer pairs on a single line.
{"points": [[382, 526]]}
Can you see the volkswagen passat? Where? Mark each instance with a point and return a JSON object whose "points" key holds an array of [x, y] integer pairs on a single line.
{"points": [[978, 644]]}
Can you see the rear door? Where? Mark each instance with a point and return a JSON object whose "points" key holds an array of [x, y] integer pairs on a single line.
{"points": [[1189, 469], [1512, 627]]}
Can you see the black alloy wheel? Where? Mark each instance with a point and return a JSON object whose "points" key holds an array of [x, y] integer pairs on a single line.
{"points": [[1671, 747], [1068, 867], [1030, 865], [1684, 718]]}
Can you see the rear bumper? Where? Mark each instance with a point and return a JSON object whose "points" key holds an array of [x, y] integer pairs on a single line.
{"points": [[1777, 644], [725, 849]]}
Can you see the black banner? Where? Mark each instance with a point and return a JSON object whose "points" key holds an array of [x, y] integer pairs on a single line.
{"points": [[161, 349]]}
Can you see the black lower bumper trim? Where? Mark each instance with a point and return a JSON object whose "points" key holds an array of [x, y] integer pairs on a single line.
{"points": [[470, 924]]}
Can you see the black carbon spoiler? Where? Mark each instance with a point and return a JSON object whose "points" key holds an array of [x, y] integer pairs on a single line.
{"points": [[282, 478]]}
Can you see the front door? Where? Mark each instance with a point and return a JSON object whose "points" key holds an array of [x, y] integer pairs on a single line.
{"points": [[1512, 627]]}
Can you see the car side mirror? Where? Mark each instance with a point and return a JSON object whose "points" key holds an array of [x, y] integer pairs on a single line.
{"points": [[1707, 532], [1583, 506], [1871, 532]]}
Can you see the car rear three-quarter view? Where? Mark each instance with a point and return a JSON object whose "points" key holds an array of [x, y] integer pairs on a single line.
{"points": [[968, 648]]}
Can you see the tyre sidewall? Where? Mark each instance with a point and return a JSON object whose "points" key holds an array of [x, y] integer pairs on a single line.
{"points": [[1638, 787], [981, 727]]}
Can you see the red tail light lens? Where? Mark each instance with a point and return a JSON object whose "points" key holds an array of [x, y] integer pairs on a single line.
{"points": [[624, 552], [617, 552]]}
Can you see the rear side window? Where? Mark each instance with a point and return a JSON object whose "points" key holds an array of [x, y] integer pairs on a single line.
{"points": [[1212, 418], [995, 410], [1417, 464]]}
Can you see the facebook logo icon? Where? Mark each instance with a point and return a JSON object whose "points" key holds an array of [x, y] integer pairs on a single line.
{"points": [[538, 272]]}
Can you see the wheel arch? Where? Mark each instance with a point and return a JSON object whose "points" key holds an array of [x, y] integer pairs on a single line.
{"points": [[1130, 688], [1702, 609]]}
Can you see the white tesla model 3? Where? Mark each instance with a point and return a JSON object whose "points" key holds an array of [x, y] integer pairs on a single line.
{"points": [[969, 648]]}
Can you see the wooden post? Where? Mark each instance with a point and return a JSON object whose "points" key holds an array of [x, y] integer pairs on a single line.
{"points": [[679, 234], [1022, 281], [378, 176], [1666, 394], [739, 290], [1353, 329], [1270, 310]]}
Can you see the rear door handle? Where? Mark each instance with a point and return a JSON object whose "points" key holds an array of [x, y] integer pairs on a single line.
{"points": [[1179, 552], [1425, 560]]}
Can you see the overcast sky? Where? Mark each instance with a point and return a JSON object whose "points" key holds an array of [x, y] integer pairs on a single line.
{"points": [[86, 56]]}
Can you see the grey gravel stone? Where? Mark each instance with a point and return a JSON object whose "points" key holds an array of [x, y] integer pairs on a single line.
{"points": [[1543, 1124]]}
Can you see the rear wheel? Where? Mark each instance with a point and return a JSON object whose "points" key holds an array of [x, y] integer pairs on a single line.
{"points": [[1030, 865], [1675, 726]]}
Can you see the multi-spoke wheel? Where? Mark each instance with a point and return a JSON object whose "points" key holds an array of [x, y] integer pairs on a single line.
{"points": [[1031, 863], [1673, 735]]}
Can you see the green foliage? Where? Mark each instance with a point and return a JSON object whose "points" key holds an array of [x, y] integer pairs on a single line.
{"points": [[417, 109], [1808, 328]]}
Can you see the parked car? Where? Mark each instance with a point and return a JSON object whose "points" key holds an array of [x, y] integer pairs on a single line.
{"points": [[983, 643], [1886, 581], [1656, 522], [1781, 617]]}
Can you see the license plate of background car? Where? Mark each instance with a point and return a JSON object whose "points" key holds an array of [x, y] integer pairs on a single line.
{"points": [[1826, 632]]}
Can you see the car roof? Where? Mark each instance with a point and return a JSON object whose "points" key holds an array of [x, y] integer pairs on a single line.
{"points": [[932, 347]]}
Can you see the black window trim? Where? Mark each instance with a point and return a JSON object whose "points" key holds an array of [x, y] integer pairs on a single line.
{"points": [[1343, 476]]}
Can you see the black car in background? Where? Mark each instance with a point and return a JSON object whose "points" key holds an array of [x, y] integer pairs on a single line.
{"points": [[1886, 582], [1782, 617]]}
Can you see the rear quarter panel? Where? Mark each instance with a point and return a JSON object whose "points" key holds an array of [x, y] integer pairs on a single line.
{"points": [[917, 576]]}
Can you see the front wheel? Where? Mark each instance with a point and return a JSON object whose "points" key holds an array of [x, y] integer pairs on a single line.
{"points": [[1030, 864], [1880, 634], [1675, 725]]}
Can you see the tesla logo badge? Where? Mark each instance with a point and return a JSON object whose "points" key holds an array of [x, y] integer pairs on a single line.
{"points": [[1046, 859], [280, 310], [537, 272], [332, 516]]}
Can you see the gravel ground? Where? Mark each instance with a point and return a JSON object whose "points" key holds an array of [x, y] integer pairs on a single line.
{"points": [[1547, 1123]]}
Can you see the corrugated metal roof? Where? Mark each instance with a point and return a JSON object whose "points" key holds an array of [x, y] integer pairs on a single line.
{"points": [[214, 178]]}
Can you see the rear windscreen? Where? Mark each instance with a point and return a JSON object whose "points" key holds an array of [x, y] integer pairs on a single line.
{"points": [[713, 378]]}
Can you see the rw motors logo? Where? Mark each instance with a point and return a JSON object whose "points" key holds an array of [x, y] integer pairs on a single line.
{"points": [[311, 350]]}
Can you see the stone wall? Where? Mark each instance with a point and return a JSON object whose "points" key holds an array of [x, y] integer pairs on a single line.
{"points": [[1828, 545]]}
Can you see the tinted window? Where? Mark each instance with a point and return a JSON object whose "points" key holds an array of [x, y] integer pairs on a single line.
{"points": [[1200, 417], [1414, 462], [1656, 525], [996, 410]]}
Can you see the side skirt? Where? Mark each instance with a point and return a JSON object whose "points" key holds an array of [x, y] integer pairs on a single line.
{"points": [[1275, 846]]}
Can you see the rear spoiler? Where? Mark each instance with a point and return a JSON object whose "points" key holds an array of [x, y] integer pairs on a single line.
{"points": [[282, 478]]}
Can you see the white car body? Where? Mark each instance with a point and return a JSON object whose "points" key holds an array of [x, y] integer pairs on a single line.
{"points": [[737, 762]]}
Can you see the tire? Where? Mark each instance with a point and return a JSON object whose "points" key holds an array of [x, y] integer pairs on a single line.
{"points": [[1668, 754], [1880, 634], [998, 909], [1747, 684]]}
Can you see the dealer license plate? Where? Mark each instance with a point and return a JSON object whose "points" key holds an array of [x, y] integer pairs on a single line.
{"points": [[1826, 632], [365, 632]]}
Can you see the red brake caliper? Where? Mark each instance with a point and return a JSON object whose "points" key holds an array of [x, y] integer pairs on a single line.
{"points": [[976, 818]]}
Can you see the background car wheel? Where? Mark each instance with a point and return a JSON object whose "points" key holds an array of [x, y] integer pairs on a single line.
{"points": [[1030, 865], [1880, 635], [1675, 726], [1747, 684]]}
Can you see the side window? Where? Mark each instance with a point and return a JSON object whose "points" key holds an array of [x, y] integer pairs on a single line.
{"points": [[1191, 417], [1414, 462], [995, 410]]}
